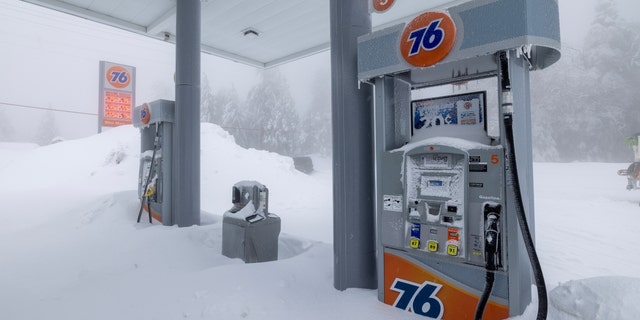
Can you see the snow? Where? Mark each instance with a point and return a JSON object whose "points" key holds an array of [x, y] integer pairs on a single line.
{"points": [[593, 298], [461, 144], [70, 247]]}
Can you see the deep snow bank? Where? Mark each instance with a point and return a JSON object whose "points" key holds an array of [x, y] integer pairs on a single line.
{"points": [[70, 247], [600, 298], [108, 162]]}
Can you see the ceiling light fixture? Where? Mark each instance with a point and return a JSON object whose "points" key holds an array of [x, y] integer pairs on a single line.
{"points": [[250, 33]]}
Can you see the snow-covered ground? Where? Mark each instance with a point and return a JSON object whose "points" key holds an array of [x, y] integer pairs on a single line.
{"points": [[70, 247]]}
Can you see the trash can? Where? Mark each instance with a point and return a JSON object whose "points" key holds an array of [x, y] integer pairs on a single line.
{"points": [[249, 231]]}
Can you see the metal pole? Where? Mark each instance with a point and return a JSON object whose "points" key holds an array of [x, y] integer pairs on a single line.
{"points": [[519, 266], [186, 136], [353, 171]]}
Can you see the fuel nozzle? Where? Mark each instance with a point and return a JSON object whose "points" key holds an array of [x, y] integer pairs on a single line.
{"points": [[151, 188], [492, 235]]}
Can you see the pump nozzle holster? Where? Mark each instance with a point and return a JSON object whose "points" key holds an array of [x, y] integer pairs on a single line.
{"points": [[492, 235]]}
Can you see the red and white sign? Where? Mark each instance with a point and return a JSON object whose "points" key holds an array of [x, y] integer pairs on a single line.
{"points": [[118, 77], [117, 94], [145, 114], [382, 5], [427, 39]]}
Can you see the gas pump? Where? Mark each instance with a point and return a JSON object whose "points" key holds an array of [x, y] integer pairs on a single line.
{"points": [[155, 120], [453, 241]]}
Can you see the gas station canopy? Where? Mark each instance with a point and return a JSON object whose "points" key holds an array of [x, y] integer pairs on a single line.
{"points": [[254, 32], [266, 33]]}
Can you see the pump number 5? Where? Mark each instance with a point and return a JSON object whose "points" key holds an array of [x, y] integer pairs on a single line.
{"points": [[382, 5], [495, 159]]}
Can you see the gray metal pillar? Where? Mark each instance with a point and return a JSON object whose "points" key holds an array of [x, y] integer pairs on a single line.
{"points": [[520, 89], [186, 136], [519, 265], [353, 171]]}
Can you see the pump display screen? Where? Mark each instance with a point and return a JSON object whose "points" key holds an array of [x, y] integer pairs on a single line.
{"points": [[435, 161], [464, 111], [435, 186]]}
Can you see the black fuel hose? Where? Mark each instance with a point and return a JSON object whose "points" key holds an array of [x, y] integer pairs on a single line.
{"points": [[491, 236], [522, 221], [488, 287]]}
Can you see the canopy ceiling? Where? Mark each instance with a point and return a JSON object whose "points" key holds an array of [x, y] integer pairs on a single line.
{"points": [[261, 33]]}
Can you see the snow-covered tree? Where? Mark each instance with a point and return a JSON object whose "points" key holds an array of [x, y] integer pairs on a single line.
{"points": [[585, 105], [611, 82], [48, 129], [315, 133], [233, 115], [271, 112], [207, 107], [605, 40], [6, 129]]}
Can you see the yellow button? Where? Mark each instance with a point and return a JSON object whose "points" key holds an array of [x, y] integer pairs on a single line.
{"points": [[414, 243], [432, 246], [452, 250]]}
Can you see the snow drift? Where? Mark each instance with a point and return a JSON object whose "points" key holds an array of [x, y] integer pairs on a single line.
{"points": [[70, 247]]}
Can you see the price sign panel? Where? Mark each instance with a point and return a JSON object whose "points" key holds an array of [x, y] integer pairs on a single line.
{"points": [[117, 94]]}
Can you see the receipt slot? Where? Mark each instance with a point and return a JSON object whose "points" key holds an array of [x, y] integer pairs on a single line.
{"points": [[451, 198], [155, 120], [249, 231]]}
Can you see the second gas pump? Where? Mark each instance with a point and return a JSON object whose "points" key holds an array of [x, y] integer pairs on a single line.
{"points": [[453, 162]]}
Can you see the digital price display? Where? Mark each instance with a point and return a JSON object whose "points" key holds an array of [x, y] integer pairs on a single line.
{"points": [[117, 108], [436, 161]]}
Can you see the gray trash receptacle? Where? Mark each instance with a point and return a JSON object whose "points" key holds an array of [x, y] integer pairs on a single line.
{"points": [[249, 231]]}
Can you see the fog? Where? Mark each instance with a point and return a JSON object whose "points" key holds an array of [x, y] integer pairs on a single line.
{"points": [[49, 60]]}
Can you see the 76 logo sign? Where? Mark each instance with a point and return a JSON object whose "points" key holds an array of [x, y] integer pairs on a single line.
{"points": [[118, 77], [421, 299], [427, 39]]}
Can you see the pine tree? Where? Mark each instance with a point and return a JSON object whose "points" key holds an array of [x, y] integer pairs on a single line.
{"points": [[6, 129], [584, 106], [48, 129], [610, 83], [271, 112], [233, 117], [316, 127], [207, 112]]}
